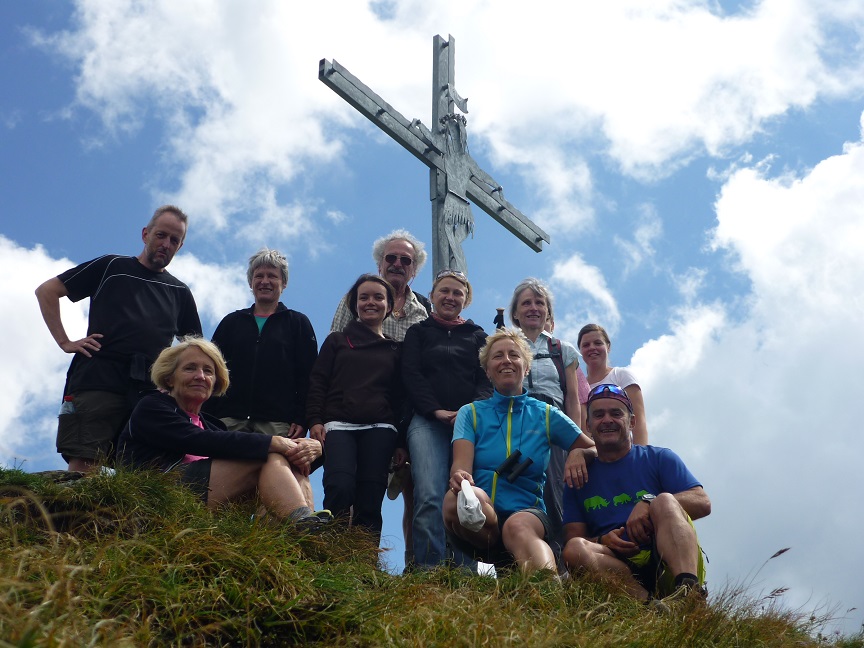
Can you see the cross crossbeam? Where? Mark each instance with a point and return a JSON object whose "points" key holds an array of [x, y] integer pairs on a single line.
{"points": [[455, 178]]}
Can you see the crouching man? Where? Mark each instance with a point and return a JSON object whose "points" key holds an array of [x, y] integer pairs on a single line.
{"points": [[634, 515]]}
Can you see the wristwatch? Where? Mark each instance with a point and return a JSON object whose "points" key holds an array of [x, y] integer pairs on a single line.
{"points": [[647, 498]]}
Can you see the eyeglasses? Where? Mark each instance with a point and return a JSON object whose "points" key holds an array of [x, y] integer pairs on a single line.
{"points": [[406, 260], [451, 273]]}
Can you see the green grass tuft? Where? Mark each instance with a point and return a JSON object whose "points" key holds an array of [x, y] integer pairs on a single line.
{"points": [[135, 560]]}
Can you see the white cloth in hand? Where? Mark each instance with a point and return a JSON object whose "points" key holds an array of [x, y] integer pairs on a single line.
{"points": [[468, 508]]}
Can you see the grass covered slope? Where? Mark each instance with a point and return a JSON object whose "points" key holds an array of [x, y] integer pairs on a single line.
{"points": [[135, 560]]}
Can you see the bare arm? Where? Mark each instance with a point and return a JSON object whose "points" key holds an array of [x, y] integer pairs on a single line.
{"points": [[463, 464], [695, 501], [640, 427], [49, 294], [572, 407]]}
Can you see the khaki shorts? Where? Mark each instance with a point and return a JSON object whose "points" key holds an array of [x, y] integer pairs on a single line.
{"points": [[90, 431], [273, 428]]}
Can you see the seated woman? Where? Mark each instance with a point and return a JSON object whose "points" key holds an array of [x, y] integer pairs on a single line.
{"points": [[355, 405], [166, 431], [514, 428], [441, 373], [594, 345]]}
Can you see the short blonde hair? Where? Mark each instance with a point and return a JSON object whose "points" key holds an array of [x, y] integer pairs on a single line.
{"points": [[458, 277], [166, 363], [507, 334]]}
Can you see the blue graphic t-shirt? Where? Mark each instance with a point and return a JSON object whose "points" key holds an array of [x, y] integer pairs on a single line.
{"points": [[614, 488]]}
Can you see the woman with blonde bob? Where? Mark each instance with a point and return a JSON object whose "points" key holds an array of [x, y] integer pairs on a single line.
{"points": [[501, 446], [168, 432]]}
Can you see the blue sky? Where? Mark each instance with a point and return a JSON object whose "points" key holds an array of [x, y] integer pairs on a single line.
{"points": [[699, 166]]}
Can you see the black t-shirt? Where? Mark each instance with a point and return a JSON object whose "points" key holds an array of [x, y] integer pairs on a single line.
{"points": [[137, 311]]}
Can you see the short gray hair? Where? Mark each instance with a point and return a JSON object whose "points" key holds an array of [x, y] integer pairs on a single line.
{"points": [[538, 288], [168, 209], [267, 257], [400, 235]]}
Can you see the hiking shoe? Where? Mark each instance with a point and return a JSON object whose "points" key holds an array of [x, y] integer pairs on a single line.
{"points": [[314, 523], [657, 606], [396, 480]]}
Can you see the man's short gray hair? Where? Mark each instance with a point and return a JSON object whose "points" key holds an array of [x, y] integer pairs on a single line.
{"points": [[267, 257], [400, 235], [538, 288], [167, 209]]}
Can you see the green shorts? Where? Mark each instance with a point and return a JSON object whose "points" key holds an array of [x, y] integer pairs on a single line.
{"points": [[91, 429]]}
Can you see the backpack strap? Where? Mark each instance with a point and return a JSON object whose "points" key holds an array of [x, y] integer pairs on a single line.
{"points": [[557, 357]]}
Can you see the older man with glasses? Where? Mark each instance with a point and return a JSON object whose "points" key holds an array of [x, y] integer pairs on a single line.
{"points": [[399, 256]]}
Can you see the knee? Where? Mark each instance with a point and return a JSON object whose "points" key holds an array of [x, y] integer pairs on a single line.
{"points": [[520, 528], [665, 508], [575, 552]]}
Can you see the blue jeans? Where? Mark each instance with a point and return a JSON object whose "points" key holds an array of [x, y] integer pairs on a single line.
{"points": [[429, 446]]}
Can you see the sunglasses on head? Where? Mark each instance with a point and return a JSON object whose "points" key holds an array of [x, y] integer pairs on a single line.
{"points": [[391, 259], [610, 391], [603, 389], [451, 273]]}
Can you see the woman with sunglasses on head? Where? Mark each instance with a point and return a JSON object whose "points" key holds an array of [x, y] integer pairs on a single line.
{"points": [[594, 344], [355, 405], [441, 372]]}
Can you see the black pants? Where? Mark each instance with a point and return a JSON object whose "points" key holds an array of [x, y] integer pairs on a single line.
{"points": [[355, 473]]}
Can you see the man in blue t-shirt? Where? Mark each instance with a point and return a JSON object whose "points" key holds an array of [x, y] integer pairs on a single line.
{"points": [[634, 515], [136, 309]]}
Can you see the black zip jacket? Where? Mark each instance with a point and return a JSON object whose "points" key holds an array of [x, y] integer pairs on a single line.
{"points": [[159, 434], [441, 368], [270, 371]]}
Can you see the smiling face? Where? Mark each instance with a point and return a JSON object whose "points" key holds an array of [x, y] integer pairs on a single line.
{"points": [[372, 304], [267, 285], [531, 311], [610, 425], [192, 381], [448, 298], [594, 349], [162, 241], [399, 271], [506, 367]]}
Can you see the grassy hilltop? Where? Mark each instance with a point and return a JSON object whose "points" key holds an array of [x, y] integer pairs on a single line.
{"points": [[134, 560]]}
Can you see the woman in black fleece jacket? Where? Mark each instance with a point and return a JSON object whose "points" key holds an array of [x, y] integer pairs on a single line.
{"points": [[355, 404], [441, 370]]}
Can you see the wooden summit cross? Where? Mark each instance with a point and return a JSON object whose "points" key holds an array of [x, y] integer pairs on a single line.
{"points": [[454, 176]]}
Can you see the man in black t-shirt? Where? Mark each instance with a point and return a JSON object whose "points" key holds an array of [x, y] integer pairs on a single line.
{"points": [[136, 309]]}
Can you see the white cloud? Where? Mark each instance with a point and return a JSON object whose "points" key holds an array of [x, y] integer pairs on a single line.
{"points": [[576, 275], [218, 289], [34, 367], [649, 85], [764, 409], [640, 250]]}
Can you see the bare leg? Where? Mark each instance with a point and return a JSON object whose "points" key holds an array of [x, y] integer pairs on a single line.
{"points": [[306, 488], [593, 557], [76, 464], [485, 537], [278, 487], [274, 480], [675, 537], [523, 537]]}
